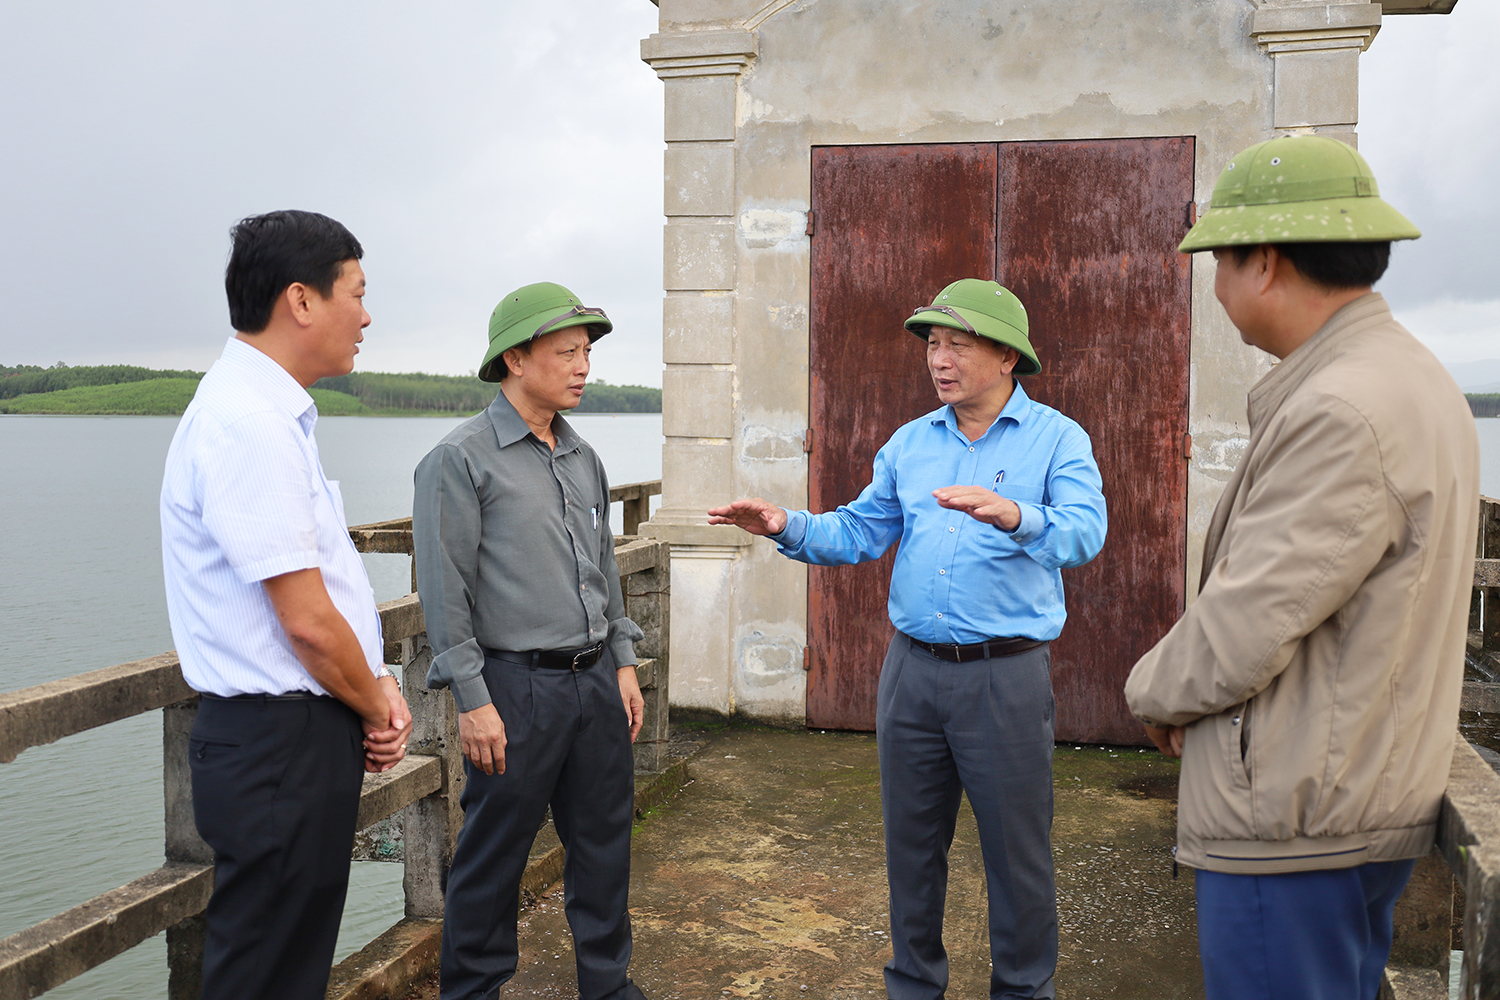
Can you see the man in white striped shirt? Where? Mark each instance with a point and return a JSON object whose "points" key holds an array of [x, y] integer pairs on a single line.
{"points": [[273, 616]]}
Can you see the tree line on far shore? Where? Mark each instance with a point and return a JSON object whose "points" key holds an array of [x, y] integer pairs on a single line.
{"points": [[1484, 404], [128, 389]]}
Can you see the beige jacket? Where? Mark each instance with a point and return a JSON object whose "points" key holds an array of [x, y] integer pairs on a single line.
{"points": [[1319, 670]]}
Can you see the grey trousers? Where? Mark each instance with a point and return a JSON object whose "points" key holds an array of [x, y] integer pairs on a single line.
{"points": [[568, 746], [983, 729]]}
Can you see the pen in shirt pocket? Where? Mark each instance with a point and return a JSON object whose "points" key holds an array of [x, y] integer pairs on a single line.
{"points": [[999, 477], [594, 515]]}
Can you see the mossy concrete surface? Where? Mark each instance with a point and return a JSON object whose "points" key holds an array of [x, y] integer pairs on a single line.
{"points": [[765, 878]]}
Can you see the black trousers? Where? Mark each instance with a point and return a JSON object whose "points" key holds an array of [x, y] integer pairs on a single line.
{"points": [[983, 729], [568, 746], [275, 793]]}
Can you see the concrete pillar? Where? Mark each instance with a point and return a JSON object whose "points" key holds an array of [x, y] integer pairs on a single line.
{"points": [[1315, 48], [700, 71]]}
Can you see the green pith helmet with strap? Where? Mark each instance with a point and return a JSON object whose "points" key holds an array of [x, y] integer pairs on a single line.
{"points": [[530, 312], [985, 308], [1297, 189]]}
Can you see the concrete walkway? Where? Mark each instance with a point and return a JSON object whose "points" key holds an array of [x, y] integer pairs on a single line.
{"points": [[764, 878]]}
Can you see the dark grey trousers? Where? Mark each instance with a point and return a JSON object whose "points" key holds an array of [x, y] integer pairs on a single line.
{"points": [[568, 747], [983, 729]]}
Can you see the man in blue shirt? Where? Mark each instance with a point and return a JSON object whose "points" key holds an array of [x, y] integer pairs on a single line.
{"points": [[989, 496]]}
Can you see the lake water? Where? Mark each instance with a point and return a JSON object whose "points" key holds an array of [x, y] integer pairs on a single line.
{"points": [[81, 588]]}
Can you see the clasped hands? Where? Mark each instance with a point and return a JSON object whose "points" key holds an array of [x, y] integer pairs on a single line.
{"points": [[384, 747]]}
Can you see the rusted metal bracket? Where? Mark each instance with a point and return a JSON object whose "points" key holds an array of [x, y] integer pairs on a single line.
{"points": [[806, 657], [1187, 446], [812, 221], [807, 441]]}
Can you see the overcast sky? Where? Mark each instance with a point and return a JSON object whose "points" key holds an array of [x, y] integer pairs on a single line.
{"points": [[481, 144]]}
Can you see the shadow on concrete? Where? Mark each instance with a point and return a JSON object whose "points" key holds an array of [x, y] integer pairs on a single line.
{"points": [[764, 878]]}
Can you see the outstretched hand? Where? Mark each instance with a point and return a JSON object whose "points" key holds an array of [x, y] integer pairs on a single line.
{"points": [[981, 504], [754, 515]]}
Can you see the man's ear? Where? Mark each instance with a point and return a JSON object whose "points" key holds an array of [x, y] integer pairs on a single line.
{"points": [[1011, 359], [1268, 259], [512, 360], [298, 299]]}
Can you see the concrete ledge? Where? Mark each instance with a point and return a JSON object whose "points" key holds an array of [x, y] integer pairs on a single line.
{"points": [[1403, 983], [388, 965], [638, 556], [45, 713], [50, 953], [415, 777]]}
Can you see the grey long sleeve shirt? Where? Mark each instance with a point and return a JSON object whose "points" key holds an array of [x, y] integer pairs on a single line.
{"points": [[514, 549]]}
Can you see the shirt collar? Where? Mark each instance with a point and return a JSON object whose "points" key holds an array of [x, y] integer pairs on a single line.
{"points": [[1015, 410], [261, 371], [510, 428]]}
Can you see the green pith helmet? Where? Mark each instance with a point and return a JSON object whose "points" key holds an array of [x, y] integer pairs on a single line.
{"points": [[986, 308], [531, 311], [1297, 189]]}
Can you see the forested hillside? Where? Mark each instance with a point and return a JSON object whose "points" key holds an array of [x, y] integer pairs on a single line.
{"points": [[127, 389], [1484, 404], [450, 394]]}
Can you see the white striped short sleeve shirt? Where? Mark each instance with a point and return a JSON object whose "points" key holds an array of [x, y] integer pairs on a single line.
{"points": [[244, 499]]}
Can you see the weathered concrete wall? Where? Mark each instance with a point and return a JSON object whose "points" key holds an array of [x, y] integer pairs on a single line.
{"points": [[751, 87]]}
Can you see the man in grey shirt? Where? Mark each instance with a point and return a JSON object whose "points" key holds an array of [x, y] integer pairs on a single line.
{"points": [[516, 570]]}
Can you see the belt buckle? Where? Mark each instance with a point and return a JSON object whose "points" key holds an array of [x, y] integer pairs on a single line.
{"points": [[576, 657]]}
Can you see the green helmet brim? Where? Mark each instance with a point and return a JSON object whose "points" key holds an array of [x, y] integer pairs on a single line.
{"points": [[986, 326], [1341, 220]]}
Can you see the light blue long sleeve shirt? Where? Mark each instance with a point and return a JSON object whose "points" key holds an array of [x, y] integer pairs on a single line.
{"points": [[957, 579]]}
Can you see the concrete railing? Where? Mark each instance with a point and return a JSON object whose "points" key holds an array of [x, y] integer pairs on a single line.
{"points": [[423, 789], [1458, 885]]}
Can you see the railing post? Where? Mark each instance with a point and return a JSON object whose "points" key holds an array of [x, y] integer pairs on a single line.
{"points": [[186, 938], [636, 509], [648, 603], [431, 824]]}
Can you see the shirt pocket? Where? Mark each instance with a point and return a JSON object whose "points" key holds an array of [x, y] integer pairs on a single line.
{"points": [[1020, 492]]}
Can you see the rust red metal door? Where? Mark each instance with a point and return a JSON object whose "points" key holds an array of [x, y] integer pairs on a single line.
{"points": [[933, 222], [1088, 241], [1085, 233]]}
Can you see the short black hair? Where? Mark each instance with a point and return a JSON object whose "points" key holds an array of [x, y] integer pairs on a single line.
{"points": [[278, 249], [1334, 265]]}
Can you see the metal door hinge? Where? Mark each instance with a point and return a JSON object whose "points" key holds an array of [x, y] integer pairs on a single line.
{"points": [[812, 221], [807, 441], [1187, 446], [806, 657], [1192, 213]]}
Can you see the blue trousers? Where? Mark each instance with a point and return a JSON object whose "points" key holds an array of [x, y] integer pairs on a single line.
{"points": [[1318, 935], [983, 729]]}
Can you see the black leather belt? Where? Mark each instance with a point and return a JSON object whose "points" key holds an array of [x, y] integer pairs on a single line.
{"points": [[990, 648], [552, 659]]}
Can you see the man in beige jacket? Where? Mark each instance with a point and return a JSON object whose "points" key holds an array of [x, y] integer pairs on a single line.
{"points": [[1312, 687]]}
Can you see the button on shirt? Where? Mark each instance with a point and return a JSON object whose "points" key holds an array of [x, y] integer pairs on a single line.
{"points": [[514, 549], [244, 499], [957, 579]]}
